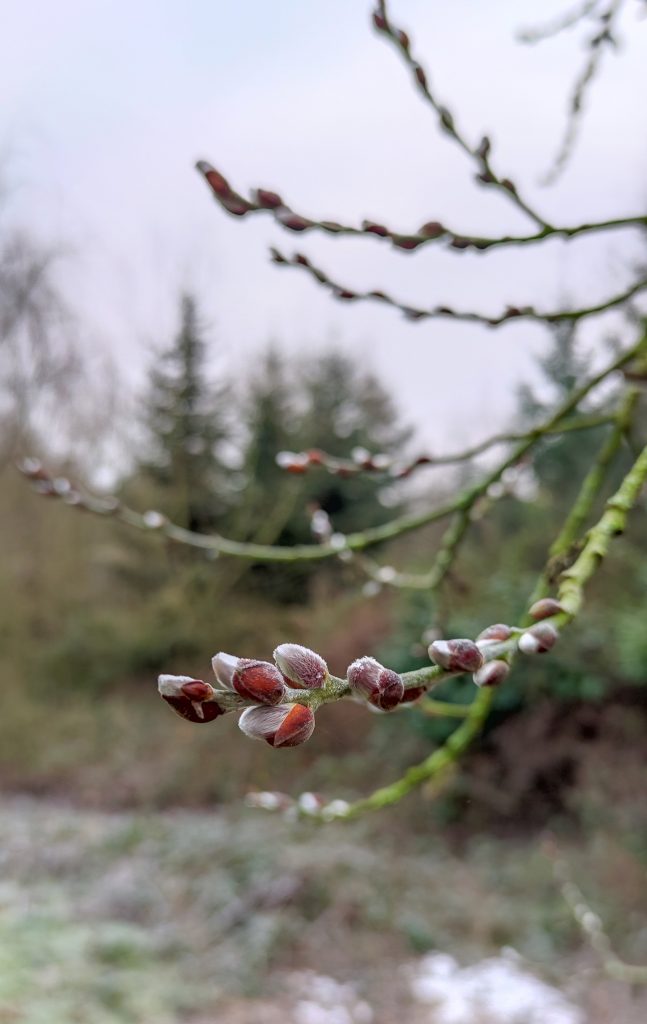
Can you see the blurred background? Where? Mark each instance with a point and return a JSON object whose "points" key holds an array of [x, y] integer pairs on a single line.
{"points": [[149, 350]]}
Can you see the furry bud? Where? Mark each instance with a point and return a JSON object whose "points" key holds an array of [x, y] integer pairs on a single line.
{"points": [[301, 666], [191, 699], [287, 725], [258, 681], [224, 666], [456, 655], [413, 693], [380, 686], [218, 183], [494, 634], [492, 673], [545, 608], [538, 639]]}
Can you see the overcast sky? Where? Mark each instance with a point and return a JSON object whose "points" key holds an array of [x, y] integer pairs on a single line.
{"points": [[106, 105]]}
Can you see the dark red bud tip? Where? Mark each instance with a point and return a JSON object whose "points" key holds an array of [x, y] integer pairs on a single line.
{"points": [[258, 681], [413, 693], [373, 228], [268, 200], [293, 221], [544, 608], [420, 76], [509, 185], [379, 685], [379, 21], [285, 726], [197, 690], [406, 242], [492, 673], [403, 39], [456, 655], [187, 698], [494, 634], [390, 690], [297, 727], [315, 456], [538, 639], [218, 183]]}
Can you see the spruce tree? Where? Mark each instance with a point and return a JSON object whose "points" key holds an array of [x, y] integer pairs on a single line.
{"points": [[187, 429]]}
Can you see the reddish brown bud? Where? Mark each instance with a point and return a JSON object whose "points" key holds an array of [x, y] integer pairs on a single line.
{"points": [[189, 698], [315, 456], [420, 75], [432, 229], [494, 634], [509, 185], [287, 725], [258, 681], [403, 39], [301, 666], [456, 655], [492, 673], [345, 293], [268, 200], [235, 205], [293, 221], [538, 639], [407, 242], [486, 178], [544, 608], [379, 21], [380, 686], [459, 242], [374, 229], [218, 183]]}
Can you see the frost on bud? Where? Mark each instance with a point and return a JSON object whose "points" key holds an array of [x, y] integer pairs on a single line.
{"points": [[380, 686], [492, 673], [258, 681], [191, 699], [224, 666], [538, 639], [456, 655], [301, 666], [287, 725], [545, 608], [494, 634]]}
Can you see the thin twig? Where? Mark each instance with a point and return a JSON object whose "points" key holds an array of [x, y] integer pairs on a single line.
{"points": [[340, 291]]}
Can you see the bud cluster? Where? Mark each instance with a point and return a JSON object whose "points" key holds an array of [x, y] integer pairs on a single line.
{"points": [[273, 716], [361, 461]]}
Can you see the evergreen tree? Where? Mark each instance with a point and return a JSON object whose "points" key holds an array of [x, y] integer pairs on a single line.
{"points": [[187, 430]]}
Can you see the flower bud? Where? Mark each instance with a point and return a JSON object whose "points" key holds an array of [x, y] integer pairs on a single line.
{"points": [[268, 200], [538, 639], [456, 655], [191, 699], [545, 608], [301, 666], [492, 673], [218, 183], [224, 666], [287, 725], [379, 21], [372, 228], [494, 634], [432, 229], [258, 681], [380, 686], [293, 221]]}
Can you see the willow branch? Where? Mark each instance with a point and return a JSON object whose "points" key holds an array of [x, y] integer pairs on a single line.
{"points": [[480, 154], [591, 925], [264, 201], [153, 521], [342, 292], [362, 461], [589, 491]]}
